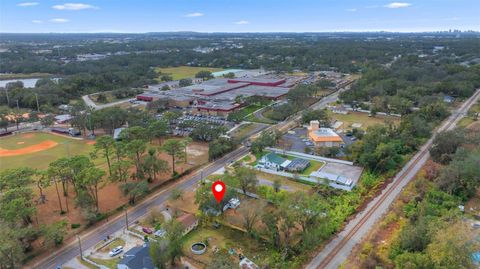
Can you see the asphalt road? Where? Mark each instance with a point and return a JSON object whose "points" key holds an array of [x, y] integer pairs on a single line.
{"points": [[90, 239], [337, 250]]}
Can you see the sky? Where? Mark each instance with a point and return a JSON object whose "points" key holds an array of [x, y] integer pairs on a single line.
{"points": [[139, 16]]}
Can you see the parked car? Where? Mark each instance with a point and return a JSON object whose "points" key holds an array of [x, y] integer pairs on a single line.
{"points": [[115, 251], [147, 230], [160, 233]]}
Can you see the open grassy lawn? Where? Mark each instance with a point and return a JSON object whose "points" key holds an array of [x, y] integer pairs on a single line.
{"points": [[184, 71], [23, 76], [111, 263], [242, 131], [224, 238], [87, 264], [65, 146], [314, 166], [362, 118], [295, 185]]}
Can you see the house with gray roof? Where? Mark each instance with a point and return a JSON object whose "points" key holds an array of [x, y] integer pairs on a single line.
{"points": [[137, 258]]}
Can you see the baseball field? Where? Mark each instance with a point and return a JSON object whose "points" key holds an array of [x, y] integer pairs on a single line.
{"points": [[38, 149]]}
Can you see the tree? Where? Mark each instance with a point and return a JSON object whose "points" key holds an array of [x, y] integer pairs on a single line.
{"points": [[11, 250], [174, 148], [176, 194], [276, 185], [120, 170], [452, 247], [166, 78], [47, 121], [135, 149], [220, 147], [153, 165], [270, 218], [229, 75], [445, 144], [320, 115], [186, 141], [134, 190], [43, 181], [105, 144], [16, 205], [185, 82], [174, 233], [157, 129], [158, 254], [54, 233], [246, 178], [90, 178], [204, 74], [165, 88], [251, 216]]}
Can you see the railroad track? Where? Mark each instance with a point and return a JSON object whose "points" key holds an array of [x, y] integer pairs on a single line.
{"points": [[391, 188]]}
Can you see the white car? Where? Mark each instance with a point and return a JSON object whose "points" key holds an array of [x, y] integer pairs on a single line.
{"points": [[115, 251], [160, 233]]}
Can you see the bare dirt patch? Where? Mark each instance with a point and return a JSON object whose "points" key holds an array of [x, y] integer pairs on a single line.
{"points": [[20, 143], [26, 136], [27, 150]]}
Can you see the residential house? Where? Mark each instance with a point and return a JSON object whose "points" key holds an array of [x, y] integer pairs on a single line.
{"points": [[137, 258], [188, 221], [273, 161]]}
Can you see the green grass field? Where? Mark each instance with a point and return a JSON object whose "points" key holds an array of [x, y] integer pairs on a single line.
{"points": [[363, 118], [184, 71], [66, 146]]}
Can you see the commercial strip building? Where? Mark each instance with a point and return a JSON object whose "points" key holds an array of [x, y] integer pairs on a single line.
{"points": [[323, 137]]}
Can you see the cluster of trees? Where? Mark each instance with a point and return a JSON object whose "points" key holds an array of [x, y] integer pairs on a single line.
{"points": [[435, 235], [382, 148], [266, 139], [18, 225], [298, 99], [412, 82], [291, 224]]}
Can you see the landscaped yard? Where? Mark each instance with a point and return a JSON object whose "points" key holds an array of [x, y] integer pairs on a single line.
{"points": [[184, 71], [111, 263], [224, 238], [363, 119]]}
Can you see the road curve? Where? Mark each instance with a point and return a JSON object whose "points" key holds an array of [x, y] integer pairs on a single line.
{"points": [[337, 250]]}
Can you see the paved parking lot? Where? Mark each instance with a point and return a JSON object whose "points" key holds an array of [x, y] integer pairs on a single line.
{"points": [[299, 140]]}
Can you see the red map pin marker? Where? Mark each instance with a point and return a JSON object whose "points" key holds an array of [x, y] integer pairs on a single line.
{"points": [[218, 189]]}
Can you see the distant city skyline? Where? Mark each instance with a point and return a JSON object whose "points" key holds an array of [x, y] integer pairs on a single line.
{"points": [[140, 16]]}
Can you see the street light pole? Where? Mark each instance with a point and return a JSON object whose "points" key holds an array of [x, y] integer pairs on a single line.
{"points": [[80, 246]]}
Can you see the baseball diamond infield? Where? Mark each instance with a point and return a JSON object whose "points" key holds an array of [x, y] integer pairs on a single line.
{"points": [[39, 149]]}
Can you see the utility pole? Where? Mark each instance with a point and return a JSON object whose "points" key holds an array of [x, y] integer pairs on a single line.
{"points": [[126, 218], [80, 246], [38, 106]]}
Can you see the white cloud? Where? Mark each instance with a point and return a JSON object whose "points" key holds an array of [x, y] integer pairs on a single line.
{"points": [[37, 21], [27, 4], [352, 9], [195, 14], [59, 20], [73, 6], [397, 5], [242, 22]]}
